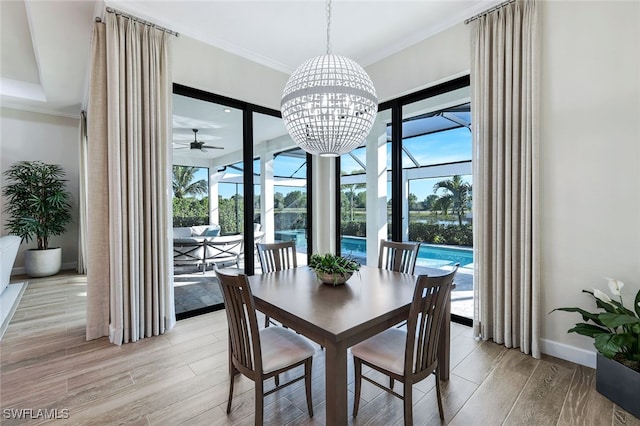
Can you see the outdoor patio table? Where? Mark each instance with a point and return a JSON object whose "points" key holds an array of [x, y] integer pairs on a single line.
{"points": [[339, 317]]}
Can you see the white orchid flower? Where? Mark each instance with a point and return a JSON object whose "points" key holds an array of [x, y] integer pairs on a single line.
{"points": [[614, 286], [602, 296]]}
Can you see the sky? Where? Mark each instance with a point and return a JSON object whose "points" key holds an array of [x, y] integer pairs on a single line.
{"points": [[437, 148]]}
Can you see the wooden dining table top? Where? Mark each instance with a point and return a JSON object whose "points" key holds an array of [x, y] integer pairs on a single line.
{"points": [[372, 296]]}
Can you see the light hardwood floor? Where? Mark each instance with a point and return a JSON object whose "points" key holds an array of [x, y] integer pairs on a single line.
{"points": [[182, 378]]}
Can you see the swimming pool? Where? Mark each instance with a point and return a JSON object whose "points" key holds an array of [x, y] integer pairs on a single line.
{"points": [[429, 255]]}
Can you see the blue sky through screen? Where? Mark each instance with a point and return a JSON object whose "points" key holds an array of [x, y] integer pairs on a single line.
{"points": [[436, 148]]}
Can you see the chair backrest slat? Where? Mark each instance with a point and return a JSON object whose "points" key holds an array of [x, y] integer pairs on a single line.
{"points": [[430, 298], [277, 256], [244, 337], [399, 257]]}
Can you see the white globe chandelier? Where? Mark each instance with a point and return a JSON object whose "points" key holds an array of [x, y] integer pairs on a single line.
{"points": [[329, 103]]}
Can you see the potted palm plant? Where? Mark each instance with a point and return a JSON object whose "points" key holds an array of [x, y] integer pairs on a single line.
{"points": [[38, 206], [333, 269], [616, 333]]}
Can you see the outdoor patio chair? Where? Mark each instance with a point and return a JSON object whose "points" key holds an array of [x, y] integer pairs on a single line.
{"points": [[260, 354], [408, 356]]}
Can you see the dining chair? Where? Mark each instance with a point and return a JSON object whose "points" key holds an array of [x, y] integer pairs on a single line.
{"points": [[276, 257], [399, 257], [408, 356], [260, 354]]}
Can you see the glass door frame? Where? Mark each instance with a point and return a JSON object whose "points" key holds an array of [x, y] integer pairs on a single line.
{"points": [[396, 105], [248, 109]]}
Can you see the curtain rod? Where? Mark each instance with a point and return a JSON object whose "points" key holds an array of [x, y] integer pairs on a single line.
{"points": [[490, 10], [136, 19]]}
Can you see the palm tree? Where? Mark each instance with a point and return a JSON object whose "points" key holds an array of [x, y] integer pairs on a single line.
{"points": [[351, 190], [443, 203], [460, 193], [184, 184]]}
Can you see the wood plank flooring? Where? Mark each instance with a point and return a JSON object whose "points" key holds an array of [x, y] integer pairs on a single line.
{"points": [[48, 369]]}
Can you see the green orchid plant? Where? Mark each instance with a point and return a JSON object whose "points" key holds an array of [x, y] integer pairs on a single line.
{"points": [[615, 330]]}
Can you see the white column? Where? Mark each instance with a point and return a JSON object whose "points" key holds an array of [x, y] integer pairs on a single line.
{"points": [[376, 190], [267, 205], [323, 205], [214, 211], [405, 206]]}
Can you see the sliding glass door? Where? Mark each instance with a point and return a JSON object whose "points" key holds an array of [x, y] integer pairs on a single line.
{"points": [[412, 181], [207, 201], [280, 186], [238, 179]]}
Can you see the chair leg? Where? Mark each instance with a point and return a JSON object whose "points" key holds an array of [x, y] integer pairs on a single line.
{"points": [[266, 321], [357, 364], [259, 412], [232, 376], [391, 381], [276, 379], [439, 395], [408, 403], [307, 383]]}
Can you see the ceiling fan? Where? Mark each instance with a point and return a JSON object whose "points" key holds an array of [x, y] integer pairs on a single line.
{"points": [[196, 144]]}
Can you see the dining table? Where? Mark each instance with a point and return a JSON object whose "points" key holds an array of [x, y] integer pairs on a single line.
{"points": [[338, 317]]}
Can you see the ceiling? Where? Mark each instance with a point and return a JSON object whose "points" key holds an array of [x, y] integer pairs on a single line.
{"points": [[45, 45]]}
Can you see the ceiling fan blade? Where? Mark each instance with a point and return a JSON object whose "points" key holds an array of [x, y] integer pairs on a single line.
{"points": [[212, 147]]}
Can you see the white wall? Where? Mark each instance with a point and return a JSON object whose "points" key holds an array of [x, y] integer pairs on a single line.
{"points": [[214, 70], [28, 135], [589, 149], [589, 157], [439, 58]]}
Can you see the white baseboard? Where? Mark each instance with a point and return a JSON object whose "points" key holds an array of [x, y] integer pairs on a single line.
{"points": [[568, 353], [64, 267]]}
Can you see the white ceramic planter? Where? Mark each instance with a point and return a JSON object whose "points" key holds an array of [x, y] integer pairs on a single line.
{"points": [[43, 263], [333, 279]]}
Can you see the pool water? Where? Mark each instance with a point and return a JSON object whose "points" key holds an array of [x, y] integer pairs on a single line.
{"points": [[429, 255]]}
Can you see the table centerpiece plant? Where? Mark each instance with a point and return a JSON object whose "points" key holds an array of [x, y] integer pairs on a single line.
{"points": [[616, 333], [333, 269]]}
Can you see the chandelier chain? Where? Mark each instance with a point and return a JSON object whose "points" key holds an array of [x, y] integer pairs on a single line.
{"points": [[328, 27]]}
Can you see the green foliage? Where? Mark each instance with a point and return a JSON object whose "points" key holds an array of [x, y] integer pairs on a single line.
{"points": [[333, 264], [231, 214], [290, 220], [354, 228], [616, 331], [190, 211], [456, 235], [295, 199], [37, 201]]}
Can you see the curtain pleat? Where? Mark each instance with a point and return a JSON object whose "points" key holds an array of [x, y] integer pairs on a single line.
{"points": [[504, 81], [138, 117], [98, 234]]}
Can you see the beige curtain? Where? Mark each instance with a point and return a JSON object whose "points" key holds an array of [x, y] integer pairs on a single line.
{"points": [[129, 286], [504, 81]]}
